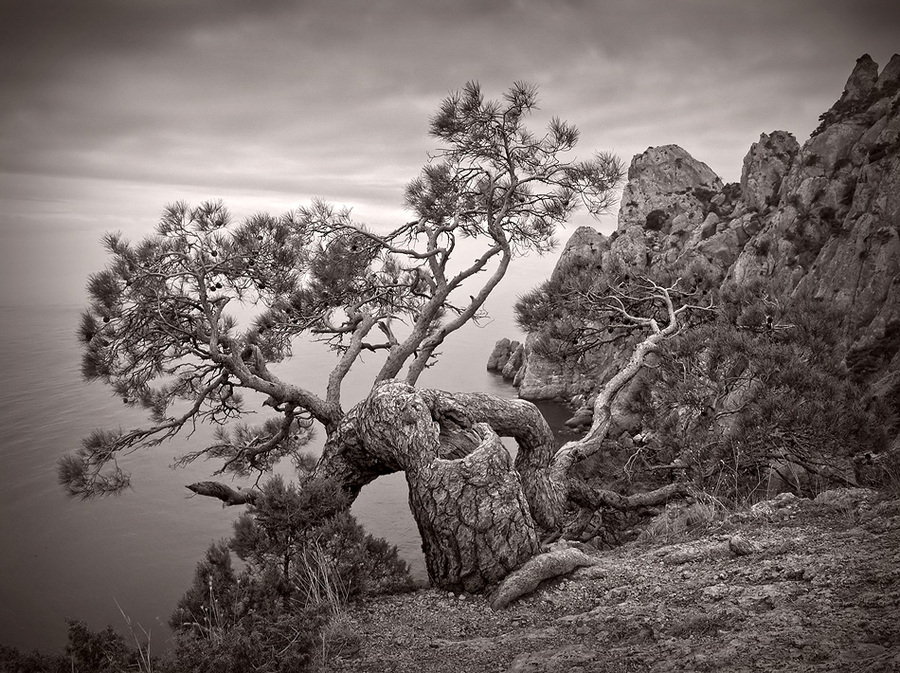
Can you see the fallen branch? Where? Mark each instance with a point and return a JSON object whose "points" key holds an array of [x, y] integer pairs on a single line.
{"points": [[587, 496], [227, 494]]}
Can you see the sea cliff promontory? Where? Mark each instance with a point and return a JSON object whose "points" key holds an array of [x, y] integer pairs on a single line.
{"points": [[818, 222]]}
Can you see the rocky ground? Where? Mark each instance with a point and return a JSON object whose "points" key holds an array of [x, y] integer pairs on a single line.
{"points": [[790, 585]]}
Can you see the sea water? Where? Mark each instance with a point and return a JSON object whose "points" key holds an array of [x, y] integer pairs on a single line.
{"points": [[61, 558]]}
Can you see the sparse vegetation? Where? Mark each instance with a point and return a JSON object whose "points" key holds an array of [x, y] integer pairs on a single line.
{"points": [[846, 108], [679, 521], [656, 220], [306, 559]]}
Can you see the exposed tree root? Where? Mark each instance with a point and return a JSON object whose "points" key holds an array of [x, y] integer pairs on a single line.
{"points": [[540, 568], [585, 495]]}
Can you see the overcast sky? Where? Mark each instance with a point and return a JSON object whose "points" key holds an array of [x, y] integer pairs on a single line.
{"points": [[109, 109]]}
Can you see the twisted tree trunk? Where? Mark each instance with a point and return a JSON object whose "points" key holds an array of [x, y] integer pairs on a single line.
{"points": [[478, 513], [472, 514], [522, 421]]}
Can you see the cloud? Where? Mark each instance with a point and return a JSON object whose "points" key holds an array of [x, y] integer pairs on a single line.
{"points": [[278, 101]]}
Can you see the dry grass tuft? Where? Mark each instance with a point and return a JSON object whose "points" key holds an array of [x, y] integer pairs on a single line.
{"points": [[682, 521]]}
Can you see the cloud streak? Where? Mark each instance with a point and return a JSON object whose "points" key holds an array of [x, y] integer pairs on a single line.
{"points": [[124, 106]]}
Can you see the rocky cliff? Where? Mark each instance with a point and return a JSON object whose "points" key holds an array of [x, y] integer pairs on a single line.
{"points": [[821, 221]]}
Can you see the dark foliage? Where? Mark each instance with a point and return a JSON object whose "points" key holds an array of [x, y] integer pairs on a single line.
{"points": [[865, 360], [753, 384], [103, 651], [761, 385], [656, 220], [305, 557]]}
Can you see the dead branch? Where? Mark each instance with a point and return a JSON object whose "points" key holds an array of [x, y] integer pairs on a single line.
{"points": [[228, 495]]}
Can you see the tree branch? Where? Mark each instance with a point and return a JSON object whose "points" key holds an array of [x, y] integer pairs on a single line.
{"points": [[228, 495], [593, 498]]}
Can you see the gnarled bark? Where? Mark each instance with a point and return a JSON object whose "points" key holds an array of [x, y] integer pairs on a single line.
{"points": [[477, 511], [522, 421], [472, 514]]}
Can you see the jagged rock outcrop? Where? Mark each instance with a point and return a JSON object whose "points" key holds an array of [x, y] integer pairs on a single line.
{"points": [[665, 189], [819, 221], [537, 378], [765, 166]]}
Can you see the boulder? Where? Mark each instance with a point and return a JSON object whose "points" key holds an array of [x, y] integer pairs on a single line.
{"points": [[765, 166], [499, 356]]}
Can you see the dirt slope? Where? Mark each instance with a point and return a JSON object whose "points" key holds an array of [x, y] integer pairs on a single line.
{"points": [[791, 585]]}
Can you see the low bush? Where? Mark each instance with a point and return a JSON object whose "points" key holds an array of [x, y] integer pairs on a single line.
{"points": [[306, 557], [656, 220], [86, 651]]}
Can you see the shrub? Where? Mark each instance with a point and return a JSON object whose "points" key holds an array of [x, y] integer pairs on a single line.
{"points": [[841, 163], [656, 220], [703, 195], [213, 599], [11, 659], [96, 651], [880, 150], [681, 521], [269, 641], [732, 191], [763, 382], [866, 361], [306, 557]]}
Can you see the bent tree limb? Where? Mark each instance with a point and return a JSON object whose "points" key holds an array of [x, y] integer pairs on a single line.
{"points": [[473, 507], [575, 451], [478, 513], [584, 495], [227, 494]]}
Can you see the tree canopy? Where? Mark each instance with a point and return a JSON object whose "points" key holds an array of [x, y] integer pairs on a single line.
{"points": [[161, 328]]}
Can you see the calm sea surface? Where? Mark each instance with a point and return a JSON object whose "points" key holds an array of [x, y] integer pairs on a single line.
{"points": [[61, 558]]}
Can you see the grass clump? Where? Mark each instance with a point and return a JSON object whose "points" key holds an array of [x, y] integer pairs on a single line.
{"points": [[682, 521]]}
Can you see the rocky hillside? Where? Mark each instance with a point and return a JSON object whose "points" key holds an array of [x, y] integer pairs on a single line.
{"points": [[820, 221], [789, 585]]}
